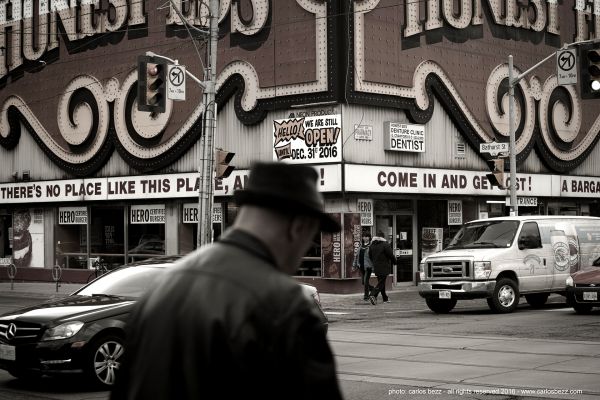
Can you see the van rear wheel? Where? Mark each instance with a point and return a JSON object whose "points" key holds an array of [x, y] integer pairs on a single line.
{"points": [[440, 306], [505, 297], [537, 300]]}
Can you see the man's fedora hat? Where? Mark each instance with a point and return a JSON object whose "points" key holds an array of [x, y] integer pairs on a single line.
{"points": [[288, 188]]}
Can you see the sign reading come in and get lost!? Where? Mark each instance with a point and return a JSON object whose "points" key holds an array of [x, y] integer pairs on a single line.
{"points": [[308, 140]]}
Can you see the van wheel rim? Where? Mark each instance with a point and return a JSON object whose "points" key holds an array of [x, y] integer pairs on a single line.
{"points": [[506, 296]]}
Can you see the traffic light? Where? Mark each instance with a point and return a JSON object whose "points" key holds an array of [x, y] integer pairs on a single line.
{"points": [[496, 178], [151, 94], [222, 160], [589, 70]]}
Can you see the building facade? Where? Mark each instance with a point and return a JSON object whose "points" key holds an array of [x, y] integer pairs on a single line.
{"points": [[390, 102]]}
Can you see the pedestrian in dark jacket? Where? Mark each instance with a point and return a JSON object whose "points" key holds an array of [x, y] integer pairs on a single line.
{"points": [[362, 261], [382, 257], [228, 322]]}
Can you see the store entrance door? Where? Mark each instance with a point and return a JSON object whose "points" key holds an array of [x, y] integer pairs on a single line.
{"points": [[5, 235], [398, 231]]}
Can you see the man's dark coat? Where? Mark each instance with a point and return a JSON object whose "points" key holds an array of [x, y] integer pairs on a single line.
{"points": [[226, 324]]}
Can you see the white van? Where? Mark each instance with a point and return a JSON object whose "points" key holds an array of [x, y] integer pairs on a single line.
{"points": [[502, 258]]}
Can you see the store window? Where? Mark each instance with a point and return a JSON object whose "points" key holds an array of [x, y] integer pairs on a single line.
{"points": [[563, 208], [433, 223], [146, 236], [107, 239], [188, 229], [71, 237], [311, 262]]}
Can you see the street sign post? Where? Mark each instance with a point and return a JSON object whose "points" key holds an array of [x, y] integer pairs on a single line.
{"points": [[523, 201], [494, 148], [11, 270], [176, 82], [56, 275], [566, 67]]}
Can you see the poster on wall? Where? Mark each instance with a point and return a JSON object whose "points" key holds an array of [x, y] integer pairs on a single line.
{"points": [[365, 208], [72, 216], [308, 140], [431, 241], [28, 238], [455, 212], [404, 137], [147, 214], [331, 251], [352, 237], [190, 213]]}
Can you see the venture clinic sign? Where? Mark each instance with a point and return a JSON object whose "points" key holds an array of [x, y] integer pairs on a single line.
{"points": [[404, 137]]}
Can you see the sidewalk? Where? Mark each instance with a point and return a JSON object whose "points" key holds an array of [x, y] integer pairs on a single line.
{"points": [[41, 290], [45, 290]]}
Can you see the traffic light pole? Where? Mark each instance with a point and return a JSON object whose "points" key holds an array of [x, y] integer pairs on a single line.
{"points": [[209, 126], [205, 193], [512, 82]]}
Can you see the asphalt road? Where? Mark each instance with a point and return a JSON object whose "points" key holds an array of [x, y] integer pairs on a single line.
{"points": [[403, 350]]}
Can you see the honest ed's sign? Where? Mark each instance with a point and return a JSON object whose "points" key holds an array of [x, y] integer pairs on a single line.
{"points": [[165, 186]]}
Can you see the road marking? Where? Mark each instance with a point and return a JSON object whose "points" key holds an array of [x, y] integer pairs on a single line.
{"points": [[336, 313], [559, 309]]}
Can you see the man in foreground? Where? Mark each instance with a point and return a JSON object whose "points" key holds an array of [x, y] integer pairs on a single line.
{"points": [[229, 321]]}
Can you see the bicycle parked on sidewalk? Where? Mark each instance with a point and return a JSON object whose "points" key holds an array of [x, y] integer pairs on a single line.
{"points": [[100, 268]]}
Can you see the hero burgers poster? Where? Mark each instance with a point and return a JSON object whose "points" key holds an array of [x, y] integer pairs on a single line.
{"points": [[308, 140]]}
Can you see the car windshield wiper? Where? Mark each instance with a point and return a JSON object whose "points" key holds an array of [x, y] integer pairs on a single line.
{"points": [[112, 296], [485, 244]]}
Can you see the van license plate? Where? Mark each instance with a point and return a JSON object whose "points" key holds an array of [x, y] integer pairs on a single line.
{"points": [[590, 296], [7, 352], [445, 294]]}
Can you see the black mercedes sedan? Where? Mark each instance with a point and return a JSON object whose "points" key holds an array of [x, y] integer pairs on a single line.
{"points": [[83, 332]]}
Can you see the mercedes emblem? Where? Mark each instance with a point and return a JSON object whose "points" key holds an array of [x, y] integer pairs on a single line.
{"points": [[11, 331]]}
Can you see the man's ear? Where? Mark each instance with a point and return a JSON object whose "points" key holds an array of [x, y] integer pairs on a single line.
{"points": [[295, 227], [300, 226]]}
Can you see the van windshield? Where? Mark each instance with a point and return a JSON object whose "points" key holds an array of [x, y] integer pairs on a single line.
{"points": [[486, 234]]}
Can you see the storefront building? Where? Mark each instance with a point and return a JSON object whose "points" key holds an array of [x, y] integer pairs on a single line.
{"points": [[389, 102]]}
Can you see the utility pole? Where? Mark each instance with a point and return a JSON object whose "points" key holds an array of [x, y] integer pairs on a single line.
{"points": [[205, 191], [514, 207]]}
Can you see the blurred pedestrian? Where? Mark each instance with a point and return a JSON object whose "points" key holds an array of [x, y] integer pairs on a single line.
{"points": [[382, 257], [228, 321], [362, 261]]}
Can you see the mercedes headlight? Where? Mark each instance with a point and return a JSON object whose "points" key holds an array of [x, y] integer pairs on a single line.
{"points": [[482, 269], [63, 331]]}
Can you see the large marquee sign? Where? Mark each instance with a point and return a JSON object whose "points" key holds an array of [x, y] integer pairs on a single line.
{"points": [[68, 76]]}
